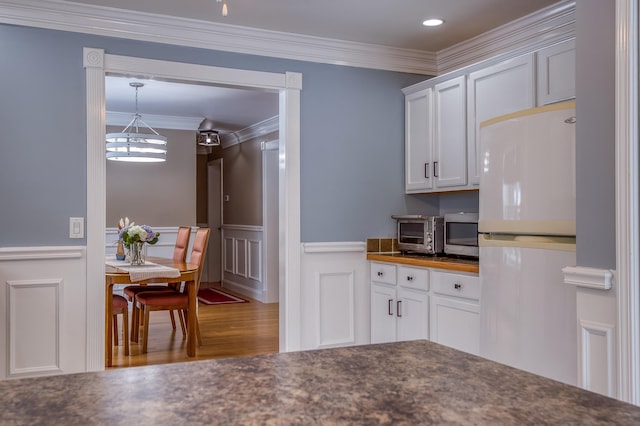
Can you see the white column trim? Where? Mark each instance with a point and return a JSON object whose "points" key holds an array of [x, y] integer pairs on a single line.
{"points": [[599, 279], [288, 85], [94, 61], [627, 187]]}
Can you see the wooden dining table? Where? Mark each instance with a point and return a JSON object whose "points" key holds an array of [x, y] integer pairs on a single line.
{"points": [[188, 275]]}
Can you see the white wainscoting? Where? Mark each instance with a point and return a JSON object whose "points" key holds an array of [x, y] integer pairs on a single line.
{"points": [[334, 295], [43, 300], [242, 259], [597, 335]]}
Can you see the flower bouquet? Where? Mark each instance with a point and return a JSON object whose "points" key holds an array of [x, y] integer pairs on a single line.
{"points": [[134, 238]]}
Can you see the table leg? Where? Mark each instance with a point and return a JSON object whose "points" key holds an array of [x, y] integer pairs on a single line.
{"points": [[108, 323], [191, 319]]}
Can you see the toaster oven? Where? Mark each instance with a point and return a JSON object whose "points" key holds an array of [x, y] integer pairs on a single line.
{"points": [[420, 234]]}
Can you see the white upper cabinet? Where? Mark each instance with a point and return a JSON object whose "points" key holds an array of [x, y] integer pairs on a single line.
{"points": [[450, 137], [493, 91], [419, 141], [556, 73]]}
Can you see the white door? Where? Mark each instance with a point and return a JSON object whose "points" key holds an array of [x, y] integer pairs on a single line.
{"points": [[528, 177], [383, 314], [419, 141], [412, 312], [450, 133], [497, 90], [455, 323], [528, 316], [214, 208]]}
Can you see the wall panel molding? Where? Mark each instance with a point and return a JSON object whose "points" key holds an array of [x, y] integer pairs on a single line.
{"points": [[597, 347], [34, 310], [335, 309]]}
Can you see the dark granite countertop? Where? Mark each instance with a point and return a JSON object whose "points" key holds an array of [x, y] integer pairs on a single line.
{"points": [[417, 382]]}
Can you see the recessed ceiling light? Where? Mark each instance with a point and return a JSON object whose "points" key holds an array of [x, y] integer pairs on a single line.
{"points": [[434, 22]]}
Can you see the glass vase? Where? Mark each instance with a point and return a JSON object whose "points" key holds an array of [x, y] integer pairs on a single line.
{"points": [[137, 253], [120, 250]]}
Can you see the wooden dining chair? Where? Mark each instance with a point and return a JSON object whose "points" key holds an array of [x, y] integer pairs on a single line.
{"points": [[179, 255], [121, 307], [176, 299]]}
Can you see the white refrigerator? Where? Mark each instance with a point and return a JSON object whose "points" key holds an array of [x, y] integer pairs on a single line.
{"points": [[526, 236]]}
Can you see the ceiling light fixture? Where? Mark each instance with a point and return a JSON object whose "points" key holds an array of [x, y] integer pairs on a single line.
{"points": [[207, 135], [225, 9], [131, 145], [433, 22]]}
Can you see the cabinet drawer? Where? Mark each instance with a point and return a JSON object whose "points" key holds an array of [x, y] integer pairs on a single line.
{"points": [[383, 273], [458, 285], [413, 278]]}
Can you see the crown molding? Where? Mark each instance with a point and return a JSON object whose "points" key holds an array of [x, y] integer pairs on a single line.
{"points": [[114, 118], [262, 128], [111, 22], [547, 26], [539, 29]]}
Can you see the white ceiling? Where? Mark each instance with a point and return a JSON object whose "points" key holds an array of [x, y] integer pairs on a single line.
{"points": [[388, 23]]}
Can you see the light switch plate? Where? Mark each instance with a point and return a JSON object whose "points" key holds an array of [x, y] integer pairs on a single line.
{"points": [[76, 227]]}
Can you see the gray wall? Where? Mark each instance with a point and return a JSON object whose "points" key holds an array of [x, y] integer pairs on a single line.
{"points": [[242, 183], [128, 183], [352, 132], [595, 133]]}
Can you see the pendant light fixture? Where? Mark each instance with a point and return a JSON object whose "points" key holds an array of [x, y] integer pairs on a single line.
{"points": [[132, 145]]}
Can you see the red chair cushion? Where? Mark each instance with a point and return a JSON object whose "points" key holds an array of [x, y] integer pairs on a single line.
{"points": [[119, 302], [162, 298]]}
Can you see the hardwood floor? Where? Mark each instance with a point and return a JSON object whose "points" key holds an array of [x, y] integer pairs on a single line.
{"points": [[238, 329]]}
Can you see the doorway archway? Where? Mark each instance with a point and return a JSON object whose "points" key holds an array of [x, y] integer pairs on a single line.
{"points": [[97, 65]]}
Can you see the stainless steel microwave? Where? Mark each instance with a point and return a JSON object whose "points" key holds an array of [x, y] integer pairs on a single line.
{"points": [[461, 234], [420, 234]]}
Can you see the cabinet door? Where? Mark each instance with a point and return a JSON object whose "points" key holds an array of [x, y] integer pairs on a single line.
{"points": [[412, 312], [455, 323], [497, 90], [556, 74], [383, 314], [450, 133], [419, 141]]}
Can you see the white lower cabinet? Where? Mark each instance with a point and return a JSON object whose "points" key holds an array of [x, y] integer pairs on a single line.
{"points": [[409, 303], [399, 303], [455, 311]]}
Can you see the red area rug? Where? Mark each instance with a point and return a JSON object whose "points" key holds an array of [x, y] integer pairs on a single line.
{"points": [[213, 296]]}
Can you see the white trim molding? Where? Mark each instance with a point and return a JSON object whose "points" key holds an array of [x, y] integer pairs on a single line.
{"points": [[334, 247], [288, 85], [40, 253], [547, 26], [263, 128], [599, 279], [115, 118], [627, 200]]}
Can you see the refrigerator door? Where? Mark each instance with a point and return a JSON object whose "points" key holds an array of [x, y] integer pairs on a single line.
{"points": [[527, 181], [528, 315]]}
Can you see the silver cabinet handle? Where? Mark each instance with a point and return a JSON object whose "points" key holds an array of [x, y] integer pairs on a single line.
{"points": [[426, 170], [389, 307], [409, 278], [435, 169], [398, 308], [380, 273], [457, 286]]}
